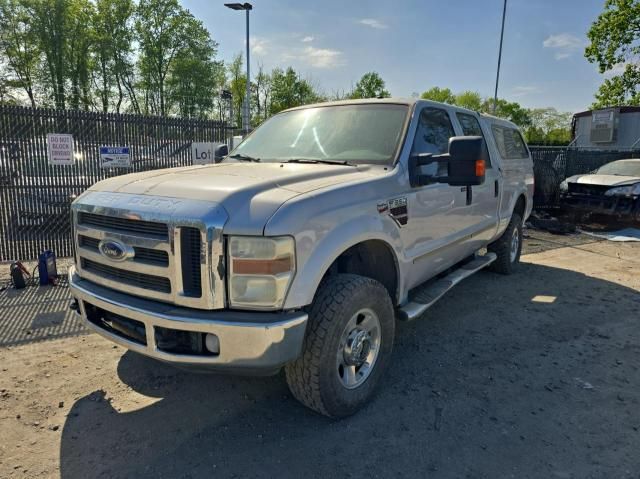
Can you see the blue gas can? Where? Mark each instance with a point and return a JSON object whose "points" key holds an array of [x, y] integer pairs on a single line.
{"points": [[47, 269]]}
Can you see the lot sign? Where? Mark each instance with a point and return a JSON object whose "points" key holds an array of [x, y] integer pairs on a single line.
{"points": [[203, 153]]}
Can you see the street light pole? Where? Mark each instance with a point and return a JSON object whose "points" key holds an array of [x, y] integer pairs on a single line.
{"points": [[247, 108], [495, 95], [246, 114]]}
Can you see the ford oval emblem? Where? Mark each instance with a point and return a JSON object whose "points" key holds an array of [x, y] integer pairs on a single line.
{"points": [[115, 250]]}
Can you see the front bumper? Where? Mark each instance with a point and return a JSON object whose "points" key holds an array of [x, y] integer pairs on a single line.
{"points": [[249, 342], [618, 206]]}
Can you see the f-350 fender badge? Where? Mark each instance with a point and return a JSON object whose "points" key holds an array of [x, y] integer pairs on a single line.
{"points": [[397, 209]]}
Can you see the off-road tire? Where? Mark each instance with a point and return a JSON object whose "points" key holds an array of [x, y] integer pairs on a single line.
{"points": [[505, 263], [313, 377]]}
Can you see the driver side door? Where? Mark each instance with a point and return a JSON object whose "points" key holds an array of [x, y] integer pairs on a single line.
{"points": [[438, 212]]}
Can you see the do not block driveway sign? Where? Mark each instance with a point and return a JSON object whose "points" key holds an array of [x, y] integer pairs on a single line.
{"points": [[60, 148]]}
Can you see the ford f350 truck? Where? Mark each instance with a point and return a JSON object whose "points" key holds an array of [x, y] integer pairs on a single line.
{"points": [[303, 247]]}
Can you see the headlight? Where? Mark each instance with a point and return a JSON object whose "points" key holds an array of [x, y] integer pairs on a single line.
{"points": [[260, 271], [564, 187], [632, 190]]}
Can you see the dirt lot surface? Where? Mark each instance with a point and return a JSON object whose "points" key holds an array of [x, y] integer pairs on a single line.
{"points": [[532, 375]]}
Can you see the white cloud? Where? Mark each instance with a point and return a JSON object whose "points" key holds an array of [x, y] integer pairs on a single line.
{"points": [[524, 90], [564, 44], [259, 46], [278, 51], [373, 23], [323, 57]]}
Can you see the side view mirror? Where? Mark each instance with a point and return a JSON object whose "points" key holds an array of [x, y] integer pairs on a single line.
{"points": [[465, 164], [220, 152]]}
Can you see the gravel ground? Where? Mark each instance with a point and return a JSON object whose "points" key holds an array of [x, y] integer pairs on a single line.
{"points": [[532, 375]]}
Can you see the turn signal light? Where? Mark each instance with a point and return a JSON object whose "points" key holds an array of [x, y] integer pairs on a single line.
{"points": [[262, 266]]}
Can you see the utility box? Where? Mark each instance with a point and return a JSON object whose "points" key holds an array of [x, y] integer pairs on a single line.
{"points": [[604, 125]]}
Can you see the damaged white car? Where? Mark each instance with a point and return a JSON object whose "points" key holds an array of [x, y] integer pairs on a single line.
{"points": [[612, 190]]}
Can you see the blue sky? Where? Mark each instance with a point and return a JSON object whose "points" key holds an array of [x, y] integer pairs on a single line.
{"points": [[416, 44]]}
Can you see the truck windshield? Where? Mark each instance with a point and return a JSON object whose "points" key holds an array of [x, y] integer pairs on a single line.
{"points": [[348, 134]]}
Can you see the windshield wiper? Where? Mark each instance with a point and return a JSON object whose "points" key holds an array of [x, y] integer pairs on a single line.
{"points": [[241, 157], [316, 160]]}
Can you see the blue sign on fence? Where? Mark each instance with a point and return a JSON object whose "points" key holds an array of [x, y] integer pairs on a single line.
{"points": [[115, 156]]}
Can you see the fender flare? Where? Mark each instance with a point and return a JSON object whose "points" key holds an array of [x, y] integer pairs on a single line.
{"points": [[324, 253]]}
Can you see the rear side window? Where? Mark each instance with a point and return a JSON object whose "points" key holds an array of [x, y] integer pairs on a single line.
{"points": [[510, 143], [471, 127]]}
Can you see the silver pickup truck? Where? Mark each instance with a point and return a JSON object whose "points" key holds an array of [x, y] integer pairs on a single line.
{"points": [[303, 246]]}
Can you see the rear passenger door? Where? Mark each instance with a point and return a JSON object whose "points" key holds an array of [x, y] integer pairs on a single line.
{"points": [[515, 165], [485, 198]]}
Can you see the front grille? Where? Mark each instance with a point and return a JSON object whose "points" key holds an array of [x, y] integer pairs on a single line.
{"points": [[191, 245], [140, 280], [125, 225], [584, 189], [167, 260], [142, 255]]}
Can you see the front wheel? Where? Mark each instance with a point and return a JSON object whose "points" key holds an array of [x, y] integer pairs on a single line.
{"points": [[347, 346], [508, 247]]}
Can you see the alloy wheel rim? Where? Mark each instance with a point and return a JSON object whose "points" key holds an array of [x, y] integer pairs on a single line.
{"points": [[515, 245], [358, 349]]}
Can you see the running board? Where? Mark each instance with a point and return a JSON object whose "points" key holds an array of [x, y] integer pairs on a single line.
{"points": [[423, 297]]}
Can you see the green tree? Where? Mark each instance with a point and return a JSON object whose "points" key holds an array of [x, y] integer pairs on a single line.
{"points": [[615, 44], [512, 111], [18, 47], [443, 95], [261, 95], [167, 33], [469, 99], [548, 126], [78, 60], [112, 26], [371, 85], [49, 22], [196, 77], [289, 90], [237, 84]]}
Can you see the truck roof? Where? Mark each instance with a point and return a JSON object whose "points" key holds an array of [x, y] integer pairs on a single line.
{"points": [[364, 101], [402, 101]]}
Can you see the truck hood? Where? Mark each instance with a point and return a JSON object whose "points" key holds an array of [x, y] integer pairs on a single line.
{"points": [[249, 192], [604, 180]]}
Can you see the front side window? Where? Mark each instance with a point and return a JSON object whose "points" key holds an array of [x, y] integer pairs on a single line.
{"points": [[433, 132], [471, 127], [363, 133], [510, 143]]}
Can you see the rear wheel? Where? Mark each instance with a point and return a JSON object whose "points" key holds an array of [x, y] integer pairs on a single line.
{"points": [[347, 346], [508, 247]]}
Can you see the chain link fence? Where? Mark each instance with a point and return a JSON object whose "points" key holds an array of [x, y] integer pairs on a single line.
{"points": [[35, 196]]}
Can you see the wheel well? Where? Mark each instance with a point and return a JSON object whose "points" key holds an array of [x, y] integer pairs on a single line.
{"points": [[521, 206], [373, 259]]}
